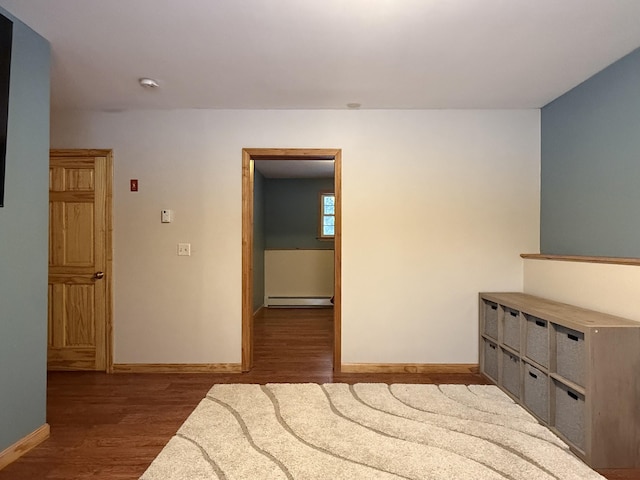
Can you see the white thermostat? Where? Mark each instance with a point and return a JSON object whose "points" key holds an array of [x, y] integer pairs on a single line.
{"points": [[166, 216]]}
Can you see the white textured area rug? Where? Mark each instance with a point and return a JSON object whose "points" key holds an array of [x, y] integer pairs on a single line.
{"points": [[363, 431]]}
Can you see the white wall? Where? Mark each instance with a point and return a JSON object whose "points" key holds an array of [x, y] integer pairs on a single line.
{"points": [[437, 206], [605, 288], [298, 273]]}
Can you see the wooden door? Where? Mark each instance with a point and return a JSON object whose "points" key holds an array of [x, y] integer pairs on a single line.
{"points": [[79, 260]]}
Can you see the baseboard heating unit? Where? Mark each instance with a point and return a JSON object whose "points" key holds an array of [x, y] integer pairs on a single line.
{"points": [[298, 302]]}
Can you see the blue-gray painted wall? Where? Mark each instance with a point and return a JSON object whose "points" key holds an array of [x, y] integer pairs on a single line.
{"points": [[590, 170], [24, 241], [258, 240], [291, 212]]}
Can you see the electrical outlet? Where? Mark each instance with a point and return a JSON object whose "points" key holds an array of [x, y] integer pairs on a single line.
{"points": [[184, 249]]}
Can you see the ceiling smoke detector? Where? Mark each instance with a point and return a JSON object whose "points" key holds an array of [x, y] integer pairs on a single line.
{"points": [[148, 83]]}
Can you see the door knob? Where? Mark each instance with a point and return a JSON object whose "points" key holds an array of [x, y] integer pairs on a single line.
{"points": [[98, 275]]}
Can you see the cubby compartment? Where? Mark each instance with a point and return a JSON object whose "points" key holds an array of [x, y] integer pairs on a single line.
{"points": [[490, 352], [570, 354], [569, 417], [490, 319], [511, 373], [511, 328], [536, 391], [537, 340]]}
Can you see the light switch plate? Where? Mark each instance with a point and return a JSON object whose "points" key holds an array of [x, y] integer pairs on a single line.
{"points": [[184, 249]]}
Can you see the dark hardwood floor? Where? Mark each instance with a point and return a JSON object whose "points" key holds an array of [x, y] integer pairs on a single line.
{"points": [[113, 426]]}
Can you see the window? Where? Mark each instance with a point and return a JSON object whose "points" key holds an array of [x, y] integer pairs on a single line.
{"points": [[327, 215]]}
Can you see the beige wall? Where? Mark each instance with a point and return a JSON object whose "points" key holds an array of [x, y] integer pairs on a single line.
{"points": [[605, 288], [298, 273], [437, 206]]}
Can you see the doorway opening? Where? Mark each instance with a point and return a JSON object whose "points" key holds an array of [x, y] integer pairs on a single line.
{"points": [[249, 156]]}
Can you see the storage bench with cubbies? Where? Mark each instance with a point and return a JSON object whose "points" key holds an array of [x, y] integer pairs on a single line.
{"points": [[576, 370]]}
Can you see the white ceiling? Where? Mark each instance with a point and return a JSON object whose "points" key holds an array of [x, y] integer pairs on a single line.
{"points": [[323, 54], [295, 168]]}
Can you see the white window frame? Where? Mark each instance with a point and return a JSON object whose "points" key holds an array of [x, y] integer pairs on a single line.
{"points": [[321, 216]]}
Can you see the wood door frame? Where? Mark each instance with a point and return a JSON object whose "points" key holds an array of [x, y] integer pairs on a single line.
{"points": [[108, 241], [248, 156]]}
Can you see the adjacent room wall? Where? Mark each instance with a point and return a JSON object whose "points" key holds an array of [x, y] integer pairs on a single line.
{"points": [[299, 273], [437, 206], [258, 240], [24, 227], [591, 166], [297, 263], [292, 209]]}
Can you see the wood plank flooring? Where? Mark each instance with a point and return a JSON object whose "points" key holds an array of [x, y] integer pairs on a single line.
{"points": [[113, 426]]}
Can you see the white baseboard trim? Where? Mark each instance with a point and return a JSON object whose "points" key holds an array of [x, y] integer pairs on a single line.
{"points": [[298, 302]]}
